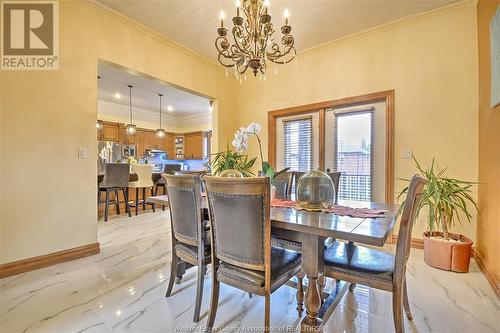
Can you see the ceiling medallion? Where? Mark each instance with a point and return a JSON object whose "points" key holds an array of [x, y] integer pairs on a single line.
{"points": [[253, 36]]}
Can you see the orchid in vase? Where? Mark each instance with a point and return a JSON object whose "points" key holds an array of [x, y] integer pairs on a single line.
{"points": [[240, 143]]}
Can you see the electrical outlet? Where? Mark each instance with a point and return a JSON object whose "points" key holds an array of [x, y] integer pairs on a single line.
{"points": [[82, 152], [406, 154]]}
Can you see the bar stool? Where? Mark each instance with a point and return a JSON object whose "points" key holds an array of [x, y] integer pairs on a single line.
{"points": [[116, 178], [144, 174]]}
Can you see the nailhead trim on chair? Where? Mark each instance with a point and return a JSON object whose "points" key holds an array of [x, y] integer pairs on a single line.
{"points": [[179, 236], [238, 196]]}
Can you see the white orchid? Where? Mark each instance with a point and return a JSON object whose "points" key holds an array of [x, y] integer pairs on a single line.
{"points": [[240, 141], [254, 128]]}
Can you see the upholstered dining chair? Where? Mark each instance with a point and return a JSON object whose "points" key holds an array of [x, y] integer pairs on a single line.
{"points": [[240, 229], [296, 177], [283, 184], [378, 269], [190, 239], [335, 177], [144, 181], [116, 177]]}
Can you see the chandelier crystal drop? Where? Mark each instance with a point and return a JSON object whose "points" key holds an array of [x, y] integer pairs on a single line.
{"points": [[253, 39]]}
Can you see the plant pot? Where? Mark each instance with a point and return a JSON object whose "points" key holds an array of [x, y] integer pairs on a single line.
{"points": [[450, 256]]}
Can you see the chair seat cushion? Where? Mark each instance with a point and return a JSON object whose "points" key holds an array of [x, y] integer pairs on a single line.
{"points": [[359, 260], [282, 262], [190, 251]]}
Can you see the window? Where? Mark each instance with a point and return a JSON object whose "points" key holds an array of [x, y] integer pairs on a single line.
{"points": [[354, 154], [298, 144]]}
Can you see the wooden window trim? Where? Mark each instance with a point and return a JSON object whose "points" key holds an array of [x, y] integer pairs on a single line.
{"points": [[386, 96]]}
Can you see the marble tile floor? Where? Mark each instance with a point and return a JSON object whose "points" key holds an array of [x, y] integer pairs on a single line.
{"points": [[122, 290]]}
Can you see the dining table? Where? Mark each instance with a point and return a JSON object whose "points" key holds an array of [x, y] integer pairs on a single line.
{"points": [[311, 229]]}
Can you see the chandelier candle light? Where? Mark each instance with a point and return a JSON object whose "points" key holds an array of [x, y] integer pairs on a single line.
{"points": [[160, 132], [130, 129], [253, 36]]}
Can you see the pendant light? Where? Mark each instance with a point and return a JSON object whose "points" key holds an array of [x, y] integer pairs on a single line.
{"points": [[160, 132], [130, 129], [98, 124]]}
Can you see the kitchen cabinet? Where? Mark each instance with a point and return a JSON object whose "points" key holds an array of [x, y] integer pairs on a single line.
{"points": [[140, 143], [151, 141], [124, 138], [110, 132], [167, 145], [193, 145]]}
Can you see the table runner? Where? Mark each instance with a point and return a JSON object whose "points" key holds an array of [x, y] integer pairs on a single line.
{"points": [[335, 209]]}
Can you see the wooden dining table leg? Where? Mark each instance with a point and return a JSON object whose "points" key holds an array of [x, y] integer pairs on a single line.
{"points": [[312, 265]]}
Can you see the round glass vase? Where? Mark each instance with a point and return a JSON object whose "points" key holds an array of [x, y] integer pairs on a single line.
{"points": [[315, 191]]}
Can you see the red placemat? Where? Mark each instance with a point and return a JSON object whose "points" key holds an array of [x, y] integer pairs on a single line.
{"points": [[335, 209]]}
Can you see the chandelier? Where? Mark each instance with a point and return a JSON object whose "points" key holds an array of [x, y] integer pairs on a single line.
{"points": [[253, 39]]}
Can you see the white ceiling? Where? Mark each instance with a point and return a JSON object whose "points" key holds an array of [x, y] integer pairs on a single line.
{"points": [[193, 23], [145, 93]]}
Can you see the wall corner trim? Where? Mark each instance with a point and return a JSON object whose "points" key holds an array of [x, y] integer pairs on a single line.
{"points": [[490, 276], [30, 264]]}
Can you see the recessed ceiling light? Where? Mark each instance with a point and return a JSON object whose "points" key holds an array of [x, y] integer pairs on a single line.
{"points": [[170, 108], [117, 95]]}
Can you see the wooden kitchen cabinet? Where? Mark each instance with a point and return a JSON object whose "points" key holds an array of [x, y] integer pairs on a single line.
{"points": [[193, 145], [140, 143], [124, 138], [151, 141], [110, 132], [167, 145]]}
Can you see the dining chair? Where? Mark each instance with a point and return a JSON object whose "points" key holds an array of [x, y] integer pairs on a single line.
{"points": [[296, 177], [190, 239], [116, 177], [283, 184], [144, 181], [378, 269], [335, 177], [240, 229]]}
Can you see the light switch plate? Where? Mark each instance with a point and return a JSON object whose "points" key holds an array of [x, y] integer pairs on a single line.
{"points": [[406, 153], [82, 152]]}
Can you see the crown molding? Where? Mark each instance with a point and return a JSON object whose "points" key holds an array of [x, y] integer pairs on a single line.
{"points": [[388, 26], [156, 35]]}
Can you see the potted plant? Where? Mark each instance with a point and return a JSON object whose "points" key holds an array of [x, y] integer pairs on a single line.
{"points": [[446, 201], [240, 142], [231, 160]]}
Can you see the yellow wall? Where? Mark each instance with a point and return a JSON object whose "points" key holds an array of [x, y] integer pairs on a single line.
{"points": [[430, 61], [47, 115], [488, 228]]}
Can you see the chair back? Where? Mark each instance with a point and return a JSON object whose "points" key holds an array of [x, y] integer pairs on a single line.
{"points": [[281, 186], [288, 178], [170, 169], [184, 197], [144, 174], [296, 177], [410, 207], [335, 177], [240, 226], [115, 175]]}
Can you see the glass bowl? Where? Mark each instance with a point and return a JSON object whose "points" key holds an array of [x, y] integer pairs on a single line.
{"points": [[315, 191]]}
